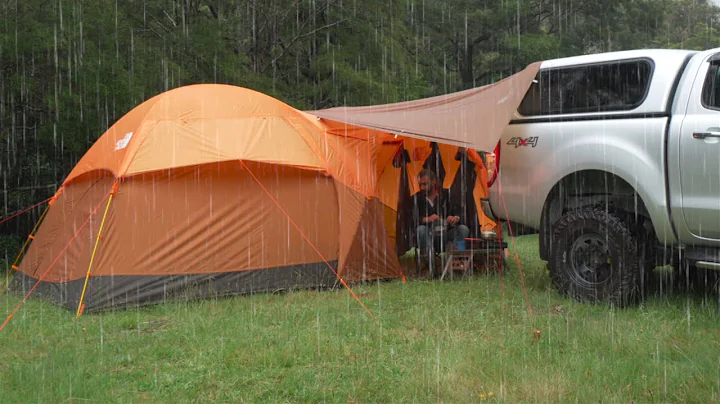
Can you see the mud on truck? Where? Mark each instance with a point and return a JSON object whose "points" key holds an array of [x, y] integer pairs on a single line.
{"points": [[614, 160]]}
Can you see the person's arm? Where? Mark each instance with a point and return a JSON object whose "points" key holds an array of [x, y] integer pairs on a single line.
{"points": [[457, 209], [416, 220], [454, 209], [419, 214]]}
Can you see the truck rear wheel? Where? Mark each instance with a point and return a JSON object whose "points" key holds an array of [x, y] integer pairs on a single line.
{"points": [[595, 258]]}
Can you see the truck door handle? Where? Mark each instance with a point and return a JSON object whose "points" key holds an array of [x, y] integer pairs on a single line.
{"points": [[705, 135]]}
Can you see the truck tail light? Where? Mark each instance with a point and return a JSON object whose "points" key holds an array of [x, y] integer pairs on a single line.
{"points": [[495, 166]]}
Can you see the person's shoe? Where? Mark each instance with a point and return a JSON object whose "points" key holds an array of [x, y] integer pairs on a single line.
{"points": [[486, 234]]}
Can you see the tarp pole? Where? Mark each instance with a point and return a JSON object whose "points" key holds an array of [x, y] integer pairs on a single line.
{"points": [[81, 307]]}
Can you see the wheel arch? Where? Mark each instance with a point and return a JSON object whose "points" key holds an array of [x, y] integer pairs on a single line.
{"points": [[590, 188]]}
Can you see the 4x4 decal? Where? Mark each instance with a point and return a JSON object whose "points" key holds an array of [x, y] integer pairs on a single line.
{"points": [[518, 141]]}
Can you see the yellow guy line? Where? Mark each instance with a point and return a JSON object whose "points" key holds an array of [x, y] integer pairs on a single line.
{"points": [[92, 258], [22, 250]]}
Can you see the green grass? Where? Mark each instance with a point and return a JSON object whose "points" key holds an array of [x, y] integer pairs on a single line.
{"points": [[469, 340]]}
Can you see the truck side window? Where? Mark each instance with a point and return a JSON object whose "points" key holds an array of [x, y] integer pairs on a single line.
{"points": [[711, 87], [615, 86]]}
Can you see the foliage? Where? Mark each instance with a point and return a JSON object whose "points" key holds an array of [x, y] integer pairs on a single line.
{"points": [[70, 68]]}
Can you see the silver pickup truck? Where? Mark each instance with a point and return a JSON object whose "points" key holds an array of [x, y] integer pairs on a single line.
{"points": [[614, 159]]}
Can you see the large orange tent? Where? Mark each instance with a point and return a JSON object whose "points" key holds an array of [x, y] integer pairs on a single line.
{"points": [[209, 190]]}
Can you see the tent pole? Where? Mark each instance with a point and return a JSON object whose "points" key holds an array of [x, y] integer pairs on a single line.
{"points": [[92, 257], [31, 236]]}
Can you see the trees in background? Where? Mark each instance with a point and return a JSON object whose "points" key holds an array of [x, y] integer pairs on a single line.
{"points": [[70, 68]]}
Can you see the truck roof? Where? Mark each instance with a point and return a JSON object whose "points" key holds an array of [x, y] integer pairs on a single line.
{"points": [[656, 54]]}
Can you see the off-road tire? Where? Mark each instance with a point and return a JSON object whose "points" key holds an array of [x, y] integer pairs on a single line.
{"points": [[621, 262], [647, 260]]}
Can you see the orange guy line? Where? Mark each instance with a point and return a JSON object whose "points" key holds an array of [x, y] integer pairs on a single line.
{"points": [[53, 264], [306, 238], [517, 258]]}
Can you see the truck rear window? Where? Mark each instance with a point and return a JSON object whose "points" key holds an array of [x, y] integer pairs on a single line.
{"points": [[711, 87], [616, 86]]}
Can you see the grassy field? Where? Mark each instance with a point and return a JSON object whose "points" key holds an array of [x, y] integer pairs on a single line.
{"points": [[469, 340]]}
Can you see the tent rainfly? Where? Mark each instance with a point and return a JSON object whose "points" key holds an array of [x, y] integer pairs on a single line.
{"points": [[209, 190]]}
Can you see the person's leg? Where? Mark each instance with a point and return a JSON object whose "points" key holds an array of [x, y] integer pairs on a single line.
{"points": [[424, 238], [459, 234], [425, 244]]}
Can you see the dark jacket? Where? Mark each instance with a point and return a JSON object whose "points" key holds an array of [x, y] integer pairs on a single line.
{"points": [[444, 206]]}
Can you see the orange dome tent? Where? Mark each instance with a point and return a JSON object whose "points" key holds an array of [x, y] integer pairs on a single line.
{"points": [[209, 190]]}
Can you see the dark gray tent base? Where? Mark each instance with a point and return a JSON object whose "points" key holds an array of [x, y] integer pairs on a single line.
{"points": [[126, 291]]}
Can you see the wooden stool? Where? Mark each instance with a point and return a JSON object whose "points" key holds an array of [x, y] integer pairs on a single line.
{"points": [[458, 261]]}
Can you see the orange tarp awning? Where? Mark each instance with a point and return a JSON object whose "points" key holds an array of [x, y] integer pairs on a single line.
{"points": [[472, 118]]}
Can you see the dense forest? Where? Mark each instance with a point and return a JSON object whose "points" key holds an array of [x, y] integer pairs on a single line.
{"points": [[70, 68]]}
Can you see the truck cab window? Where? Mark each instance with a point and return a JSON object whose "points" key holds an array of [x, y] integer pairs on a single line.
{"points": [[711, 87], [616, 86]]}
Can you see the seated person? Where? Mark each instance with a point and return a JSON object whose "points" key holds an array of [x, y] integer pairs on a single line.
{"points": [[432, 209]]}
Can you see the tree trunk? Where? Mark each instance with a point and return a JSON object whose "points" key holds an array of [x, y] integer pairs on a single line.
{"points": [[467, 75]]}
